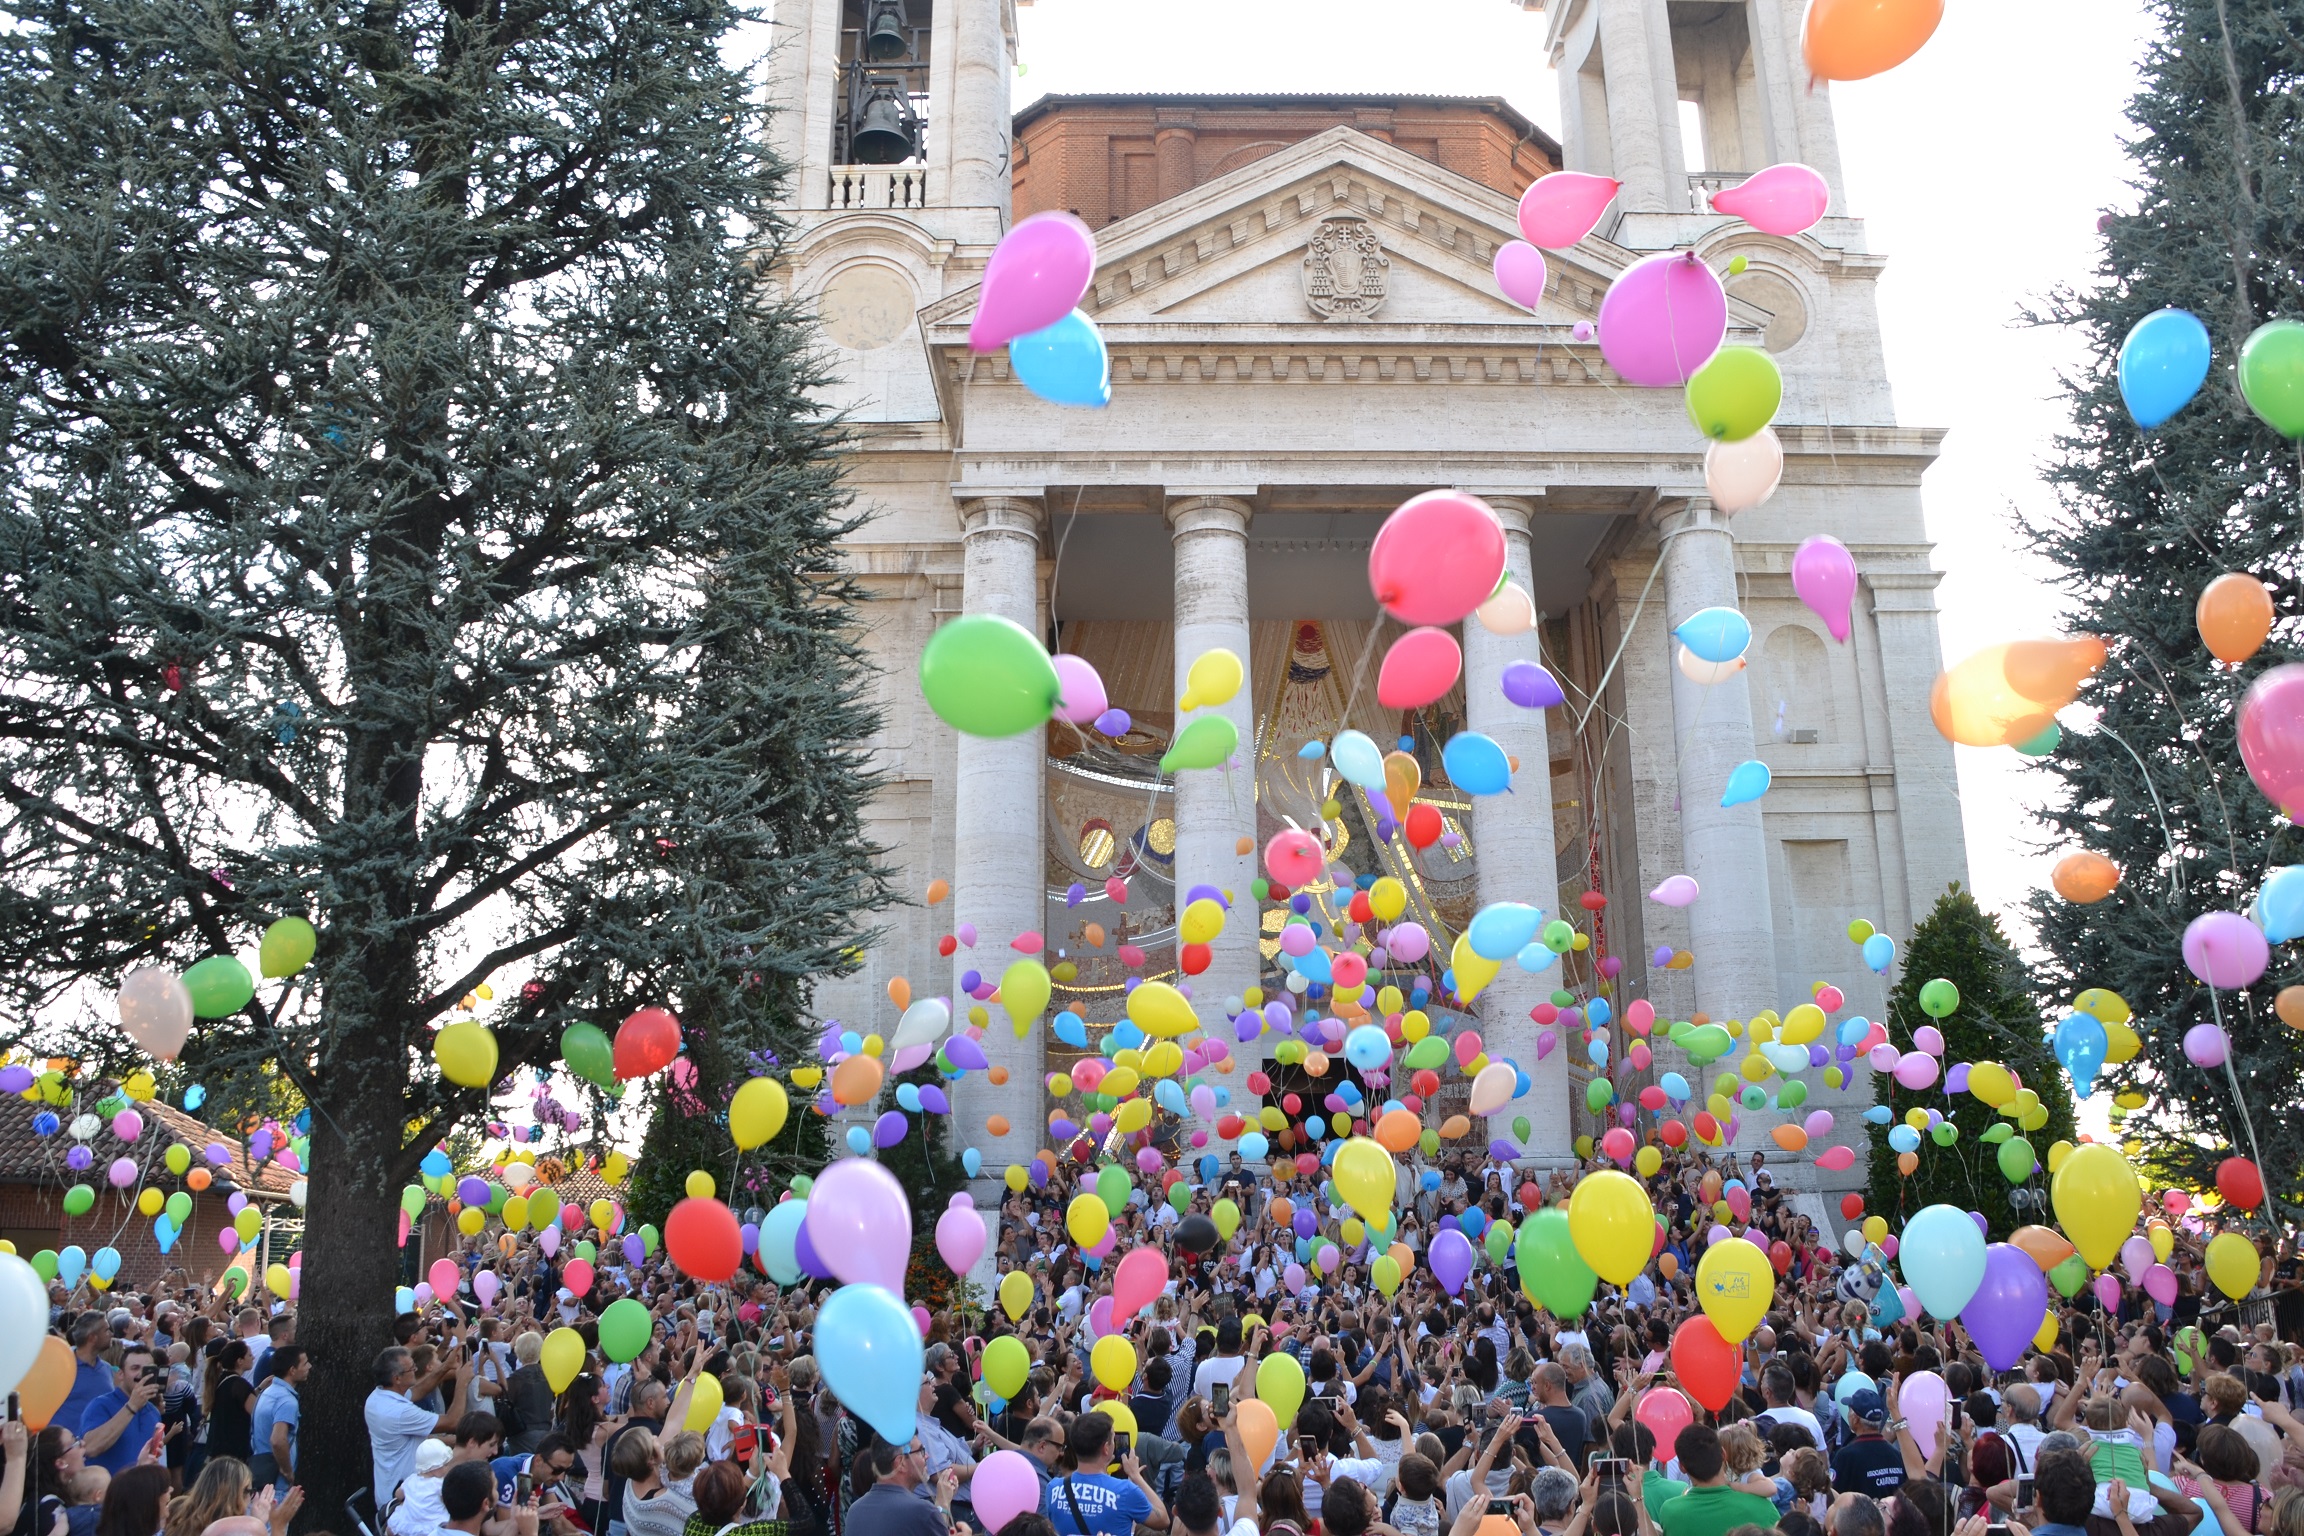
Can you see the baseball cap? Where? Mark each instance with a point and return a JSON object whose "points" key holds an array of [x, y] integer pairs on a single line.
{"points": [[1865, 1404]]}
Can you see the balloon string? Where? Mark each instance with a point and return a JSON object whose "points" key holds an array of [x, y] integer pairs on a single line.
{"points": [[1601, 687], [2175, 885], [2247, 1121]]}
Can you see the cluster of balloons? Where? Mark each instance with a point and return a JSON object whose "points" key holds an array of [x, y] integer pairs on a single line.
{"points": [[1028, 303]]}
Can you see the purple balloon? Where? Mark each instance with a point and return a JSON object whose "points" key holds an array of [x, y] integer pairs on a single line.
{"points": [[971, 980], [1451, 1259], [1062, 1130], [1528, 685], [1818, 1056], [1248, 1026], [1113, 722], [472, 1190], [15, 1079], [1663, 319], [965, 1054], [635, 1250], [1306, 1224], [1662, 957], [2206, 1045], [1956, 1080], [2226, 950], [1502, 1150], [750, 1233], [804, 1251], [889, 1128], [933, 1101], [1984, 1227]]}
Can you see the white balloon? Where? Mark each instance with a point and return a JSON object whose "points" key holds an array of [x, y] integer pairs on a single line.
{"points": [[1743, 475], [23, 1319], [923, 1023], [296, 1192], [1492, 1089], [156, 1011], [84, 1127], [1697, 670], [1510, 612]]}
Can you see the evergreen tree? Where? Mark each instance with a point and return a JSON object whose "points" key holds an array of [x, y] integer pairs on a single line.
{"points": [[2147, 519], [414, 518], [1997, 1020]]}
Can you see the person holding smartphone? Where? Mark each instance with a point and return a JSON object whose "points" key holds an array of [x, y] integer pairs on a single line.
{"points": [[1086, 1501]]}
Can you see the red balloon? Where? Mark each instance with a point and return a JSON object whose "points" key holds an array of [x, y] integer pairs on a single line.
{"points": [[1359, 910], [2239, 1183], [1230, 1127], [1780, 1255], [1674, 1133], [1291, 1103], [1259, 1083], [1709, 1129], [1307, 1164], [1423, 826], [1426, 1081], [1592, 901], [1436, 558], [646, 1043], [1195, 958], [1851, 1206], [1705, 1364], [704, 1239]]}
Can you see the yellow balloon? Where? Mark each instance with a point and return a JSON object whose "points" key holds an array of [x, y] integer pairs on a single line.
{"points": [[700, 1185], [515, 1213], [2056, 1155], [2045, 1339], [1132, 1116], [1388, 898], [1163, 1059], [1611, 1225], [602, 1213], [2125, 1042], [564, 1358], [1415, 1024], [139, 1086], [1991, 1083], [1087, 1220], [1113, 1361], [2163, 1241], [277, 1280], [1016, 1292], [1385, 1271], [1213, 678], [470, 1220], [2097, 1200], [1280, 1384], [617, 1164], [2105, 1005], [1734, 1285], [1646, 1161], [148, 1202], [1007, 1365], [1472, 972], [1758, 1069], [1024, 989], [1226, 1215], [703, 1404], [1016, 1176], [1159, 1009], [1366, 1177], [1803, 1024], [466, 1052], [2233, 1264], [1875, 1228], [757, 1113], [1201, 921], [1122, 1416]]}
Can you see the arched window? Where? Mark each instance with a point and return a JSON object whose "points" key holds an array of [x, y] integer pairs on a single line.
{"points": [[1794, 704]]}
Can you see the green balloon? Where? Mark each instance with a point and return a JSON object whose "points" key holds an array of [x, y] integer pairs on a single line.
{"points": [[624, 1329], [588, 1052], [1562, 999], [44, 1263], [287, 947], [1792, 1094], [1997, 1132], [1260, 888], [179, 1208], [1552, 1272], [2016, 1159], [1706, 1043], [1205, 743], [1112, 1187], [220, 987], [412, 1200], [2069, 1276], [986, 676], [1598, 1095], [1180, 1197], [1558, 937], [2044, 743], [1498, 1241], [1944, 1133], [1939, 999], [2272, 375], [1427, 1052], [649, 1236], [586, 1250], [1429, 1142], [1755, 1097], [79, 1200], [1520, 1128], [1736, 394]]}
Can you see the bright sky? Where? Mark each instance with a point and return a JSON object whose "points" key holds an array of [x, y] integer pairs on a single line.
{"points": [[1980, 167]]}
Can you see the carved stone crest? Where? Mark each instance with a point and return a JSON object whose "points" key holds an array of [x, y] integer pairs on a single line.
{"points": [[1346, 273]]}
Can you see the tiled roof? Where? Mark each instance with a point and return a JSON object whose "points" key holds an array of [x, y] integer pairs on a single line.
{"points": [[29, 1158]]}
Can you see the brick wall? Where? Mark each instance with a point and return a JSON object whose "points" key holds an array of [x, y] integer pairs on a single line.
{"points": [[32, 1217]]}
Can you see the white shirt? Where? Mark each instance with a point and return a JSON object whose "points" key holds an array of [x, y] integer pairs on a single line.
{"points": [[421, 1513], [1795, 1414], [396, 1427], [1216, 1369]]}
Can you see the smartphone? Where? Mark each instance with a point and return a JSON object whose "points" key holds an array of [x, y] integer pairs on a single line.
{"points": [[523, 1488], [2024, 1491], [15, 1407], [1607, 1466], [1996, 1528], [1500, 1507], [1219, 1396], [1122, 1444], [1307, 1448]]}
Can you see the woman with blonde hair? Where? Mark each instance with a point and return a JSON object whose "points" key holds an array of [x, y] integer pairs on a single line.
{"points": [[219, 1493]]}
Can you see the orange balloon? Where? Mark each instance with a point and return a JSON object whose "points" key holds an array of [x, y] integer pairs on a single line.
{"points": [[1856, 39], [1244, 845], [1790, 1137], [2085, 878], [2235, 614], [1316, 1063], [996, 1076], [1455, 1127], [47, 1384], [1259, 1427], [1404, 1256], [1094, 934], [198, 1179], [2290, 1006], [1403, 776], [857, 1080], [2009, 693], [1907, 1162], [900, 993], [1711, 1185], [1282, 1210], [1397, 1130], [2045, 1246], [937, 891], [1667, 1265], [996, 1126]]}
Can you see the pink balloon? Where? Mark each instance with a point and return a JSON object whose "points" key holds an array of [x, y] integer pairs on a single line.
{"points": [[1520, 273], [1924, 1400], [1928, 1038], [2108, 1292], [485, 1285], [1036, 277], [2225, 950], [2136, 1257], [1436, 558], [1884, 1058], [1138, 1280], [1665, 1412], [1003, 1487], [860, 1223], [1677, 891], [1547, 1041], [1560, 209], [2160, 1284], [577, 1277], [960, 1234], [1639, 1056], [1662, 320], [1818, 1123], [1824, 577], [444, 1277], [1100, 1317], [1419, 669], [1293, 1278], [123, 1172], [1782, 200], [1408, 941], [548, 1239], [1836, 1158], [2272, 735], [1079, 691], [2206, 1045], [921, 1320]]}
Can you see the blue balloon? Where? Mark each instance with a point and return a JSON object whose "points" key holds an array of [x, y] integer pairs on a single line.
{"points": [[1349, 1093], [1429, 1179], [1207, 1167], [1880, 953], [1904, 1139], [1071, 1029], [436, 1163], [1066, 364], [1315, 1126], [1253, 1146], [1502, 929], [1675, 1087], [1367, 1047], [403, 1299], [1312, 751], [1521, 1081], [779, 1233], [165, 1232], [871, 1355], [1715, 634], [1169, 1095], [195, 1096], [45, 1123], [2280, 904], [2081, 1046], [1746, 781], [908, 1098], [1597, 1012], [1879, 1114], [1854, 1028], [1476, 765], [859, 1140], [971, 1161], [106, 1263], [2163, 363], [1943, 1259], [71, 1264], [1598, 1050], [1314, 966], [1357, 759], [1123, 1036], [1536, 958]]}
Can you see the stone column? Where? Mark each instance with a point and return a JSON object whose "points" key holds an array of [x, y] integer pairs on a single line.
{"points": [[1514, 850], [1643, 105], [975, 130], [999, 878], [1216, 807], [804, 83], [1731, 925]]}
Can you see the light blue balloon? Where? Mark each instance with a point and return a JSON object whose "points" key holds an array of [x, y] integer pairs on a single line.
{"points": [[1072, 1029], [1367, 1047], [403, 1299], [1502, 929], [2081, 1046], [71, 1264], [1904, 1139], [1598, 1050], [971, 1161], [1428, 1179], [1879, 1114], [1943, 1259], [1315, 967], [908, 1098], [871, 1355], [2280, 904], [851, 1042], [1747, 781], [1253, 1146], [106, 1264], [1169, 1095], [1123, 1036], [1349, 1092], [164, 1232], [1316, 1126], [2163, 363], [1880, 953], [859, 1140], [1357, 759], [1597, 1012], [1065, 364], [779, 1232], [1476, 765], [1854, 1029], [195, 1096], [1536, 958], [436, 1163], [1851, 1384], [1223, 1096], [1312, 751], [1675, 1087], [1715, 634]]}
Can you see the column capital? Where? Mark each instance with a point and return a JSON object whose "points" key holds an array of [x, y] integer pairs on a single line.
{"points": [[1000, 514], [1208, 512], [1516, 513], [1676, 512]]}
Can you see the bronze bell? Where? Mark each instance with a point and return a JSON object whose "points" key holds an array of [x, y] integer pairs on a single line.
{"points": [[884, 134], [884, 39]]}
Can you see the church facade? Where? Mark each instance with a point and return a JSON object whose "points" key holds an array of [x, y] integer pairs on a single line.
{"points": [[1305, 332]]}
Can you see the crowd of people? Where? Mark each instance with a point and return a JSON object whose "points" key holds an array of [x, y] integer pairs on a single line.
{"points": [[1472, 1414]]}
